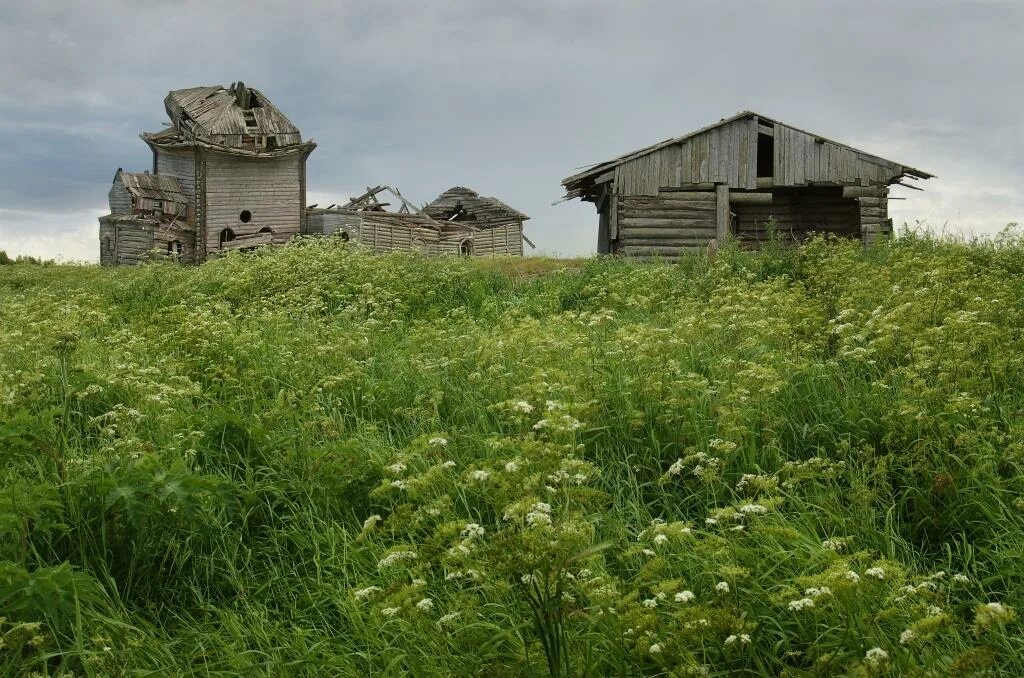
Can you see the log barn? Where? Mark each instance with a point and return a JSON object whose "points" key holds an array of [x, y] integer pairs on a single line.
{"points": [[238, 163], [738, 178]]}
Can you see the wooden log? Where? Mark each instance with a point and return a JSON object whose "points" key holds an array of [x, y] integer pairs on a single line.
{"points": [[636, 222], [706, 186], [628, 233], [863, 191], [751, 198], [723, 216], [707, 215]]}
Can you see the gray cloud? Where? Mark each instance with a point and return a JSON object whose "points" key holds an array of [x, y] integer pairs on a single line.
{"points": [[509, 98]]}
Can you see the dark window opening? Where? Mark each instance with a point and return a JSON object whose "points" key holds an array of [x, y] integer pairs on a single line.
{"points": [[459, 213], [227, 235], [344, 236], [271, 143], [245, 217], [174, 248], [466, 248], [765, 156], [267, 229], [254, 101]]}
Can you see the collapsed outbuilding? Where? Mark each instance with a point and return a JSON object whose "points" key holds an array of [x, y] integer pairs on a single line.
{"points": [[740, 177], [459, 221]]}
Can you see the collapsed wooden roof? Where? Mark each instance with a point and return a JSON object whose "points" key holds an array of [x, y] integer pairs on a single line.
{"points": [[725, 152], [372, 210], [152, 186], [228, 118], [460, 202]]}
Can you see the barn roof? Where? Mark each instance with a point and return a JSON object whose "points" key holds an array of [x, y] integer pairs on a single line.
{"points": [[576, 184], [471, 202], [153, 186]]}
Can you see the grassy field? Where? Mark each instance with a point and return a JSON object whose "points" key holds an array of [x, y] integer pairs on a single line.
{"points": [[310, 461]]}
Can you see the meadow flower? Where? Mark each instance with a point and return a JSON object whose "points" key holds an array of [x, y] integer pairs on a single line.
{"points": [[394, 557], [907, 637], [425, 605], [852, 576], [534, 518], [650, 602], [654, 649], [743, 638], [685, 597], [722, 587], [448, 464], [472, 530], [961, 578], [399, 484], [397, 467], [676, 468], [648, 552], [511, 467], [438, 441], [815, 592], [522, 406], [660, 538], [993, 613], [711, 521], [801, 604], [753, 509], [446, 619], [876, 572], [875, 657], [479, 475], [834, 544], [369, 591], [389, 611], [370, 522]]}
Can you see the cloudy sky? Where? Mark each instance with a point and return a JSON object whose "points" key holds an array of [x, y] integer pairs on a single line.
{"points": [[508, 97]]}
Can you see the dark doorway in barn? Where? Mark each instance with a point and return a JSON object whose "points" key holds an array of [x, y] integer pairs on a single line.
{"points": [[466, 248], [227, 235], [765, 155]]}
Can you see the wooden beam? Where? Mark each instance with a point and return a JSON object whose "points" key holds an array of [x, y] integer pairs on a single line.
{"points": [[751, 198], [722, 216]]}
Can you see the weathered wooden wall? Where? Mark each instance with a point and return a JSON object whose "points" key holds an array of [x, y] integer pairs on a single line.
{"points": [[269, 188], [120, 199], [127, 242], [664, 225], [496, 241], [796, 214], [801, 157], [180, 165]]}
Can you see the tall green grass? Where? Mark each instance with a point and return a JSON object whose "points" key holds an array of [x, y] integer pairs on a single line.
{"points": [[312, 461]]}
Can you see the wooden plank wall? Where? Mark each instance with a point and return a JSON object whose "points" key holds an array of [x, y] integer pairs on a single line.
{"points": [[391, 235], [801, 158], [182, 166], [120, 199], [504, 240], [874, 215], [726, 154], [665, 225], [269, 188]]}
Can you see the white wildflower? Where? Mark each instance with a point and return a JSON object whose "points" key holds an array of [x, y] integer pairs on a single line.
{"points": [[961, 578], [369, 591], [711, 521], [522, 406], [648, 552], [389, 611], [753, 508], [650, 602], [425, 605], [511, 467], [394, 557], [875, 657], [448, 618], [907, 637], [397, 467], [542, 507], [676, 468], [438, 441], [472, 530], [654, 649], [399, 484], [479, 475], [722, 587], [877, 572], [370, 522], [852, 576], [534, 518], [685, 597], [660, 538], [448, 464], [801, 604]]}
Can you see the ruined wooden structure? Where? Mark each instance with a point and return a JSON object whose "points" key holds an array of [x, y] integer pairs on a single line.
{"points": [[459, 222], [733, 179], [235, 162]]}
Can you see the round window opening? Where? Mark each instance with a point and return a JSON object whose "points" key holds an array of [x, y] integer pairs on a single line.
{"points": [[245, 217]]}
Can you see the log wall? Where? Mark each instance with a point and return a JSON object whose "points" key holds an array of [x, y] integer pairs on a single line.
{"points": [[665, 225], [796, 215]]}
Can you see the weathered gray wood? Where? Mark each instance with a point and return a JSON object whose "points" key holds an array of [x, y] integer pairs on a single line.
{"points": [[750, 198], [722, 217]]}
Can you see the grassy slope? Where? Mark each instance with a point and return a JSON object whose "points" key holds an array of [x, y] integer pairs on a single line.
{"points": [[610, 469]]}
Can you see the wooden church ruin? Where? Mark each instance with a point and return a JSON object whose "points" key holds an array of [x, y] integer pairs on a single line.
{"points": [[229, 172], [235, 160], [740, 177]]}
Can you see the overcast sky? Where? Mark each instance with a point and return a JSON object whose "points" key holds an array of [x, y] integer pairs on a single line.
{"points": [[508, 97]]}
